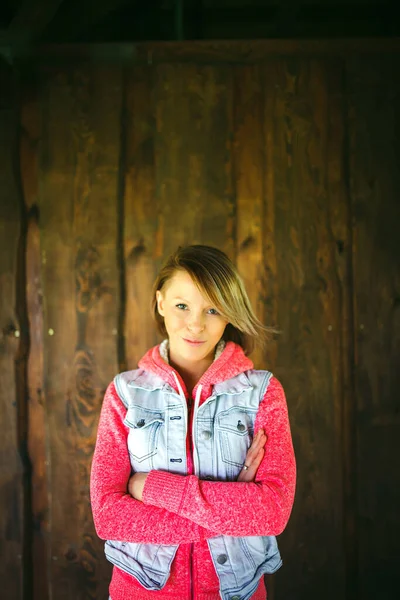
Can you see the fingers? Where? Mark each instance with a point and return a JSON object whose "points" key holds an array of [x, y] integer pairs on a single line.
{"points": [[249, 475], [259, 441], [260, 438], [254, 456]]}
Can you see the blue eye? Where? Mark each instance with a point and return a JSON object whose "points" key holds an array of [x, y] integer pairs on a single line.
{"points": [[181, 306], [214, 311]]}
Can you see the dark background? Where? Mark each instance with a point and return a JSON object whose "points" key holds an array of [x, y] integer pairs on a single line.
{"points": [[59, 21], [268, 129]]}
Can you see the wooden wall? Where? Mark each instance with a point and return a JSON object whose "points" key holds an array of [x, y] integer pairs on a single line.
{"points": [[284, 156]]}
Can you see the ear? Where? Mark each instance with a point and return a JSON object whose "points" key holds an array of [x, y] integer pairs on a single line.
{"points": [[160, 303]]}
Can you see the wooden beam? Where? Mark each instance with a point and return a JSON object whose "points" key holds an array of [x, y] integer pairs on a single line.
{"points": [[243, 51]]}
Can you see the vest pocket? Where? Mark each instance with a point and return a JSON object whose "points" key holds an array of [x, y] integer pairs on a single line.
{"points": [[235, 428], [144, 430]]}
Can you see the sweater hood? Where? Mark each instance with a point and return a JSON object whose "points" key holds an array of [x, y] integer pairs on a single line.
{"points": [[231, 362]]}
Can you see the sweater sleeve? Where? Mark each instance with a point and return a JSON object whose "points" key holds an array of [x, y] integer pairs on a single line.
{"points": [[235, 508], [116, 515]]}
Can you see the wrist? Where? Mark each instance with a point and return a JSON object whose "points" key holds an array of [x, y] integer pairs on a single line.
{"points": [[136, 485]]}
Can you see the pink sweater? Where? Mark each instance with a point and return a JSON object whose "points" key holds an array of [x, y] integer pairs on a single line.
{"points": [[184, 510]]}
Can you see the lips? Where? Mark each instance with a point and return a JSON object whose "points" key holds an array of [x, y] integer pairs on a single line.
{"points": [[194, 342]]}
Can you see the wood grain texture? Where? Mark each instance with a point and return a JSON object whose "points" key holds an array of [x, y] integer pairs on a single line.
{"points": [[37, 431], [141, 248], [290, 165], [302, 278], [80, 159], [193, 157], [374, 101], [247, 164], [338, 196], [12, 467]]}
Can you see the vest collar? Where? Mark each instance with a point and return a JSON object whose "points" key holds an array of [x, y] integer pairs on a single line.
{"points": [[144, 380]]}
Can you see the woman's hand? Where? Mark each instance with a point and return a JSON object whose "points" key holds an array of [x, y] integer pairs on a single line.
{"points": [[136, 485], [254, 456]]}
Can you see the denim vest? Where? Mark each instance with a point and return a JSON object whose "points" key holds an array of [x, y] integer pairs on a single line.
{"points": [[222, 433]]}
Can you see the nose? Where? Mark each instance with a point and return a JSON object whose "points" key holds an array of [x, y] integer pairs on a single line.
{"points": [[196, 323]]}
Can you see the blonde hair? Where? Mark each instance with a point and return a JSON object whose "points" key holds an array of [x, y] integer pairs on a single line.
{"points": [[217, 277]]}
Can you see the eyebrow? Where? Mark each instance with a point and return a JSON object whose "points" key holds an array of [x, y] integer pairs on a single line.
{"points": [[187, 301], [180, 298]]}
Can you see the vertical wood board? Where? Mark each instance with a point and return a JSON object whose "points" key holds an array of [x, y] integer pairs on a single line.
{"points": [[193, 153], [247, 165], [12, 468], [301, 259], [37, 431], [80, 162], [142, 252], [374, 131]]}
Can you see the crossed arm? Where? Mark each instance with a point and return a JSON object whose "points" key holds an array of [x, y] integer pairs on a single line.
{"points": [[178, 509], [253, 460]]}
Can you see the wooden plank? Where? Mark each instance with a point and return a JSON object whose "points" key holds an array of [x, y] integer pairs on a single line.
{"points": [[375, 187], [141, 248], [208, 52], [341, 228], [79, 225], [248, 165], [12, 467], [193, 157], [301, 258], [37, 433]]}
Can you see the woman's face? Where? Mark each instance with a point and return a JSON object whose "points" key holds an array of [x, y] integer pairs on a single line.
{"points": [[193, 325]]}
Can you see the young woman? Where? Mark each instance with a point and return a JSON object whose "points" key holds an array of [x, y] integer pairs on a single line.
{"points": [[193, 473]]}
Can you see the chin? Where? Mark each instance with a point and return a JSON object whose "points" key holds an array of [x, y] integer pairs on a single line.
{"points": [[198, 353]]}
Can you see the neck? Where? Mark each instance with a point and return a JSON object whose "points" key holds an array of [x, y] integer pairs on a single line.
{"points": [[191, 373]]}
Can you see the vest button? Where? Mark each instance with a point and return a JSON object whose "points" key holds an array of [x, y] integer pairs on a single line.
{"points": [[209, 477], [206, 435], [141, 423], [222, 558], [235, 598], [241, 427]]}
